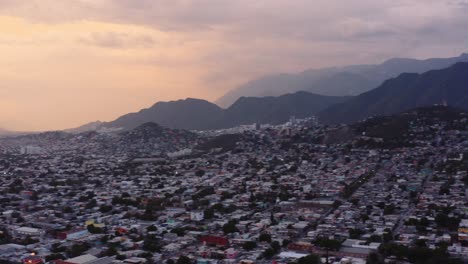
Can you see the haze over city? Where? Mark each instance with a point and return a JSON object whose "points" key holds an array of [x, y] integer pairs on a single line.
{"points": [[233, 131], [66, 63]]}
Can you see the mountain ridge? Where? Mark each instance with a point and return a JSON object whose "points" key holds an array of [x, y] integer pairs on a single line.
{"points": [[331, 81], [197, 114], [407, 91]]}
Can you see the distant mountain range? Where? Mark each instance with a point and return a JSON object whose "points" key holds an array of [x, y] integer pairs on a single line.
{"points": [[189, 114], [87, 127], [4, 132], [196, 114], [338, 81], [398, 94], [409, 90], [9, 133]]}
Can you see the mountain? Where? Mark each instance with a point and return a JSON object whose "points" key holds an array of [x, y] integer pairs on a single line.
{"points": [[4, 132], [409, 90], [9, 133], [195, 114], [192, 114], [337, 81], [86, 127], [275, 110]]}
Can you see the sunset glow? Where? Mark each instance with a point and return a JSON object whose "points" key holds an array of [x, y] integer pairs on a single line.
{"points": [[66, 63]]}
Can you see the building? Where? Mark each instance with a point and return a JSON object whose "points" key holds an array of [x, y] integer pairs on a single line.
{"points": [[463, 230], [31, 150], [86, 259], [28, 231], [197, 216]]}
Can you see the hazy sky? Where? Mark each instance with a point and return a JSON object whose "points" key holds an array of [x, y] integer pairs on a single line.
{"points": [[64, 63]]}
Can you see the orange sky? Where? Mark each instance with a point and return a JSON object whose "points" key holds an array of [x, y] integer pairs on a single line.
{"points": [[57, 74], [68, 62]]}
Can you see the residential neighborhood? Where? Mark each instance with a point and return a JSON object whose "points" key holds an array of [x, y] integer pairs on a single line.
{"points": [[299, 192]]}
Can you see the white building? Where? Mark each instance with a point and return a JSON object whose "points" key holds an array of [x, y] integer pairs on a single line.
{"points": [[31, 150], [28, 231], [197, 216]]}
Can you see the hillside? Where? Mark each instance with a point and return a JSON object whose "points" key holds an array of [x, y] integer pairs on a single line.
{"points": [[195, 114], [409, 90], [146, 138], [274, 110], [192, 114], [338, 81]]}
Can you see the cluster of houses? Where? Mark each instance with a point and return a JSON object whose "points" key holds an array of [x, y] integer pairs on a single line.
{"points": [[270, 199]]}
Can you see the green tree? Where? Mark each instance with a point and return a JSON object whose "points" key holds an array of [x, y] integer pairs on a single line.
{"points": [[230, 227], [249, 245], [183, 260], [264, 237], [111, 251], [275, 245], [151, 243], [208, 213], [77, 250], [54, 256], [328, 245], [373, 258], [5, 237], [152, 228], [268, 253], [310, 259]]}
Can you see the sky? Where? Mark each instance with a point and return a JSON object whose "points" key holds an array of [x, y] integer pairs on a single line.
{"points": [[64, 63]]}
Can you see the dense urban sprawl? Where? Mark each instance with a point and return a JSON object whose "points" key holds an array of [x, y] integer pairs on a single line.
{"points": [[387, 190]]}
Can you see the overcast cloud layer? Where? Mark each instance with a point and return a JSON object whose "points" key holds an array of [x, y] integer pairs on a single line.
{"points": [[68, 62]]}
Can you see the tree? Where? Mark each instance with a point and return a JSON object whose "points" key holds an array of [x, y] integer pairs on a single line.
{"points": [[200, 173], [310, 259], [355, 233], [34, 196], [230, 227], [151, 243], [5, 237], [54, 256], [105, 208], [264, 237], [268, 253], [275, 245], [67, 210], [328, 245], [208, 213], [373, 258], [249, 245], [183, 260], [111, 251], [152, 228], [92, 203], [178, 231], [94, 230], [77, 250]]}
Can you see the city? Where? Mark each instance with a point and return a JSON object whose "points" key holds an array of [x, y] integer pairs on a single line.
{"points": [[258, 194], [233, 132]]}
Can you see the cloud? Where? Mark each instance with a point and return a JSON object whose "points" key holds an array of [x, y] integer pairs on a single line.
{"points": [[118, 40], [318, 20], [69, 52]]}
